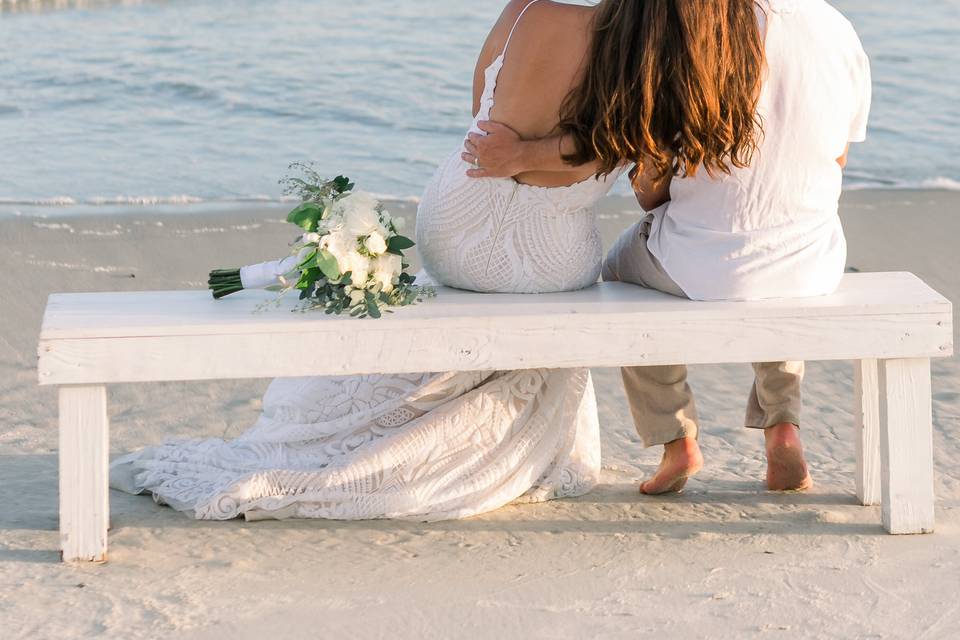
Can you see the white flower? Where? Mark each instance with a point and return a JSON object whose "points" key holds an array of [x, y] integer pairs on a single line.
{"points": [[310, 238], [359, 214], [363, 222], [360, 199], [376, 243], [390, 263], [339, 244], [359, 267], [384, 279], [343, 247], [386, 269]]}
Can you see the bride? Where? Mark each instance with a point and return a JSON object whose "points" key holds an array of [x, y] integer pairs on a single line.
{"points": [[438, 445]]}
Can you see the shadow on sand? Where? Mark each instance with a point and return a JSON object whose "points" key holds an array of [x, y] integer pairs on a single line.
{"points": [[28, 493]]}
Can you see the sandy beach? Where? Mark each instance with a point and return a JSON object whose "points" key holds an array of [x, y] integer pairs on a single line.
{"points": [[725, 559]]}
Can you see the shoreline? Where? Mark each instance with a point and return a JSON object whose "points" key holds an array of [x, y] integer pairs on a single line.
{"points": [[912, 217], [189, 206]]}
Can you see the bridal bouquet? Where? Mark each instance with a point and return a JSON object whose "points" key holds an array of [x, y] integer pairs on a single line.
{"points": [[347, 259]]}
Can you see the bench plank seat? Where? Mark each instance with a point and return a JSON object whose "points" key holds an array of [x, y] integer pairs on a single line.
{"points": [[185, 335], [891, 324]]}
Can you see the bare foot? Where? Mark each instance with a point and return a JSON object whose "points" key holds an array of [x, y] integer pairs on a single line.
{"points": [[681, 460], [786, 467]]}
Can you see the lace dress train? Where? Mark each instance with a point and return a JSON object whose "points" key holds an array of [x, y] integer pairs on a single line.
{"points": [[424, 446]]}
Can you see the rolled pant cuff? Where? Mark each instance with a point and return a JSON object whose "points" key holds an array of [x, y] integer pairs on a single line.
{"points": [[773, 419], [687, 429]]}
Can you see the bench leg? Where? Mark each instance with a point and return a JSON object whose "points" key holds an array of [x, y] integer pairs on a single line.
{"points": [[867, 427], [84, 468], [906, 445]]}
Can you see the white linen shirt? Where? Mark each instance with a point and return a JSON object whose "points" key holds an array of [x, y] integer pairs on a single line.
{"points": [[771, 230]]}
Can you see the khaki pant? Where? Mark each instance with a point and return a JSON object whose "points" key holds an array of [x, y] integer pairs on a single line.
{"points": [[660, 399]]}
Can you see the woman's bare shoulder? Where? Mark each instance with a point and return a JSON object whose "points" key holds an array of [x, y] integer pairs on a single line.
{"points": [[560, 14], [547, 22], [545, 58], [543, 18]]}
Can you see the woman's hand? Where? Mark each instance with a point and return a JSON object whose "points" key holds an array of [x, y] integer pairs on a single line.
{"points": [[499, 154]]}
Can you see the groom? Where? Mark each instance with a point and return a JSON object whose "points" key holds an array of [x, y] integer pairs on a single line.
{"points": [[661, 401], [767, 229]]}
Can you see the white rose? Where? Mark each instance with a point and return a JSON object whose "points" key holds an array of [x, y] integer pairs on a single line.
{"points": [[386, 270], [390, 263], [338, 244], [384, 279], [376, 243], [360, 215], [359, 266], [363, 222]]}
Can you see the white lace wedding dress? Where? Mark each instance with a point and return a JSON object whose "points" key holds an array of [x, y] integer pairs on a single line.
{"points": [[428, 446]]}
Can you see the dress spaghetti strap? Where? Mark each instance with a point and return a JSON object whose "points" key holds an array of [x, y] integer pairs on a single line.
{"points": [[515, 24]]}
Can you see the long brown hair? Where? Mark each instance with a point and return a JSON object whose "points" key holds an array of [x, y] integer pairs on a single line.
{"points": [[672, 85]]}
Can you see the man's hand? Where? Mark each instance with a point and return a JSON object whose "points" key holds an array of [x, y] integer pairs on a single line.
{"points": [[499, 154]]}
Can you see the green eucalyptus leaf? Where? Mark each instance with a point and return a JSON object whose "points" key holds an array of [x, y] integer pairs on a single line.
{"points": [[327, 264], [307, 261], [306, 216], [308, 278]]}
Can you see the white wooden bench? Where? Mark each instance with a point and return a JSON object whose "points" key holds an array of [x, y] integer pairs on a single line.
{"points": [[891, 324]]}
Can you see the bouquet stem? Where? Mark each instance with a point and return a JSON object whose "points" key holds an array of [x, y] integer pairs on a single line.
{"points": [[224, 282]]}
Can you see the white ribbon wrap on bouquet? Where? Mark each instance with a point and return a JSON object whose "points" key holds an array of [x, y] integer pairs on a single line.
{"points": [[267, 274]]}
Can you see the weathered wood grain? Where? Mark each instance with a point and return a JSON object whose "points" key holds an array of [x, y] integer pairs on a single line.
{"points": [[109, 338], [906, 445], [84, 451], [867, 426], [174, 313]]}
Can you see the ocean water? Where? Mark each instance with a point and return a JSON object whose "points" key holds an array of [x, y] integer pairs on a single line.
{"points": [[106, 103]]}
